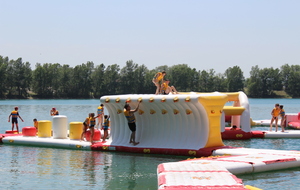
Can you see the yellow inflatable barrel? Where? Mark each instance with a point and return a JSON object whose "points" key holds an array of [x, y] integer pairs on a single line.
{"points": [[75, 130], [45, 128]]}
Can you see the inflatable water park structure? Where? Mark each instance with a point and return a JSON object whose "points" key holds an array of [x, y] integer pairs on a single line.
{"points": [[186, 124], [182, 124]]}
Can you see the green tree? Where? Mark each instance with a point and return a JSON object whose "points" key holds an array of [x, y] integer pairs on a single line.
{"points": [[19, 84], [111, 81], [207, 81], [65, 73], [263, 82], [140, 74], [42, 81], [254, 83], [81, 80], [234, 79], [128, 82], [98, 80], [3, 76], [220, 83], [290, 79], [182, 77]]}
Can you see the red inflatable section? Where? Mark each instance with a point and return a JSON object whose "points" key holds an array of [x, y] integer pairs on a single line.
{"points": [[258, 134], [29, 131], [299, 116], [227, 118], [294, 125], [237, 134], [97, 135], [11, 132], [99, 146]]}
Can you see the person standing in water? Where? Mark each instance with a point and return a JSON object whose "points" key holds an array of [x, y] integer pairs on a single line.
{"points": [[54, 112], [14, 119], [129, 114]]}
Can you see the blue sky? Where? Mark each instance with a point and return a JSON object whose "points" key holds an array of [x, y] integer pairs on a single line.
{"points": [[211, 34]]}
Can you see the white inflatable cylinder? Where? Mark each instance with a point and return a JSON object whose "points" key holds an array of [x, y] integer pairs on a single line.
{"points": [[236, 119], [245, 117], [223, 122], [60, 127]]}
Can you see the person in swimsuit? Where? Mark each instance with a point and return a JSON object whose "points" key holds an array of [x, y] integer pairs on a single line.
{"points": [[86, 124], [92, 119], [36, 124], [105, 127], [283, 117], [54, 112], [275, 113], [14, 119], [100, 113], [157, 80], [129, 114], [166, 89]]}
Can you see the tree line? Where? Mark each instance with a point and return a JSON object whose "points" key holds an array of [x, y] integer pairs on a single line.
{"points": [[88, 80]]}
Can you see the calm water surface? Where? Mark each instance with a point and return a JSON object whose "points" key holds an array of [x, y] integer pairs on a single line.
{"points": [[46, 168]]}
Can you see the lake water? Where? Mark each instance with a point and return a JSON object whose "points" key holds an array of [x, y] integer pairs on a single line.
{"points": [[47, 168]]}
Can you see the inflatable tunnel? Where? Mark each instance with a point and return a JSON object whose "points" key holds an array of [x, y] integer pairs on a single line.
{"points": [[168, 122], [239, 111], [239, 114]]}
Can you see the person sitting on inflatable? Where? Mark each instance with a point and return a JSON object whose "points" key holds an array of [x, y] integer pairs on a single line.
{"points": [[166, 89]]}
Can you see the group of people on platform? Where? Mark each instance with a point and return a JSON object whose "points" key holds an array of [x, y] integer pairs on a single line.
{"points": [[276, 112], [90, 122], [14, 115]]}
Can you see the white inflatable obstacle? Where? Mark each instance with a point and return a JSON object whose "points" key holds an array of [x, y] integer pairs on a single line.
{"points": [[181, 121]]}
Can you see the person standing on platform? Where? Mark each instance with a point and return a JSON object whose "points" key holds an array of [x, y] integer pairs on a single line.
{"points": [[54, 111], [275, 113], [14, 119], [129, 114], [157, 80], [85, 124], [92, 126], [36, 124], [105, 127], [100, 113], [283, 117]]}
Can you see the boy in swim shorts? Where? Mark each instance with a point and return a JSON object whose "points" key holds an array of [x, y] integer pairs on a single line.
{"points": [[92, 119], [105, 127], [129, 114], [14, 119]]}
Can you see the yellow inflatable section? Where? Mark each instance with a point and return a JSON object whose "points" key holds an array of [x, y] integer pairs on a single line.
{"points": [[231, 110], [213, 106]]}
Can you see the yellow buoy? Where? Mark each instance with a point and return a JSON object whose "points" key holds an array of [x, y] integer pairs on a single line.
{"points": [[75, 130], [45, 128]]}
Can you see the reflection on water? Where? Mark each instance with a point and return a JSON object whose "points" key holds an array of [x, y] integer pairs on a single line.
{"points": [[132, 175]]}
